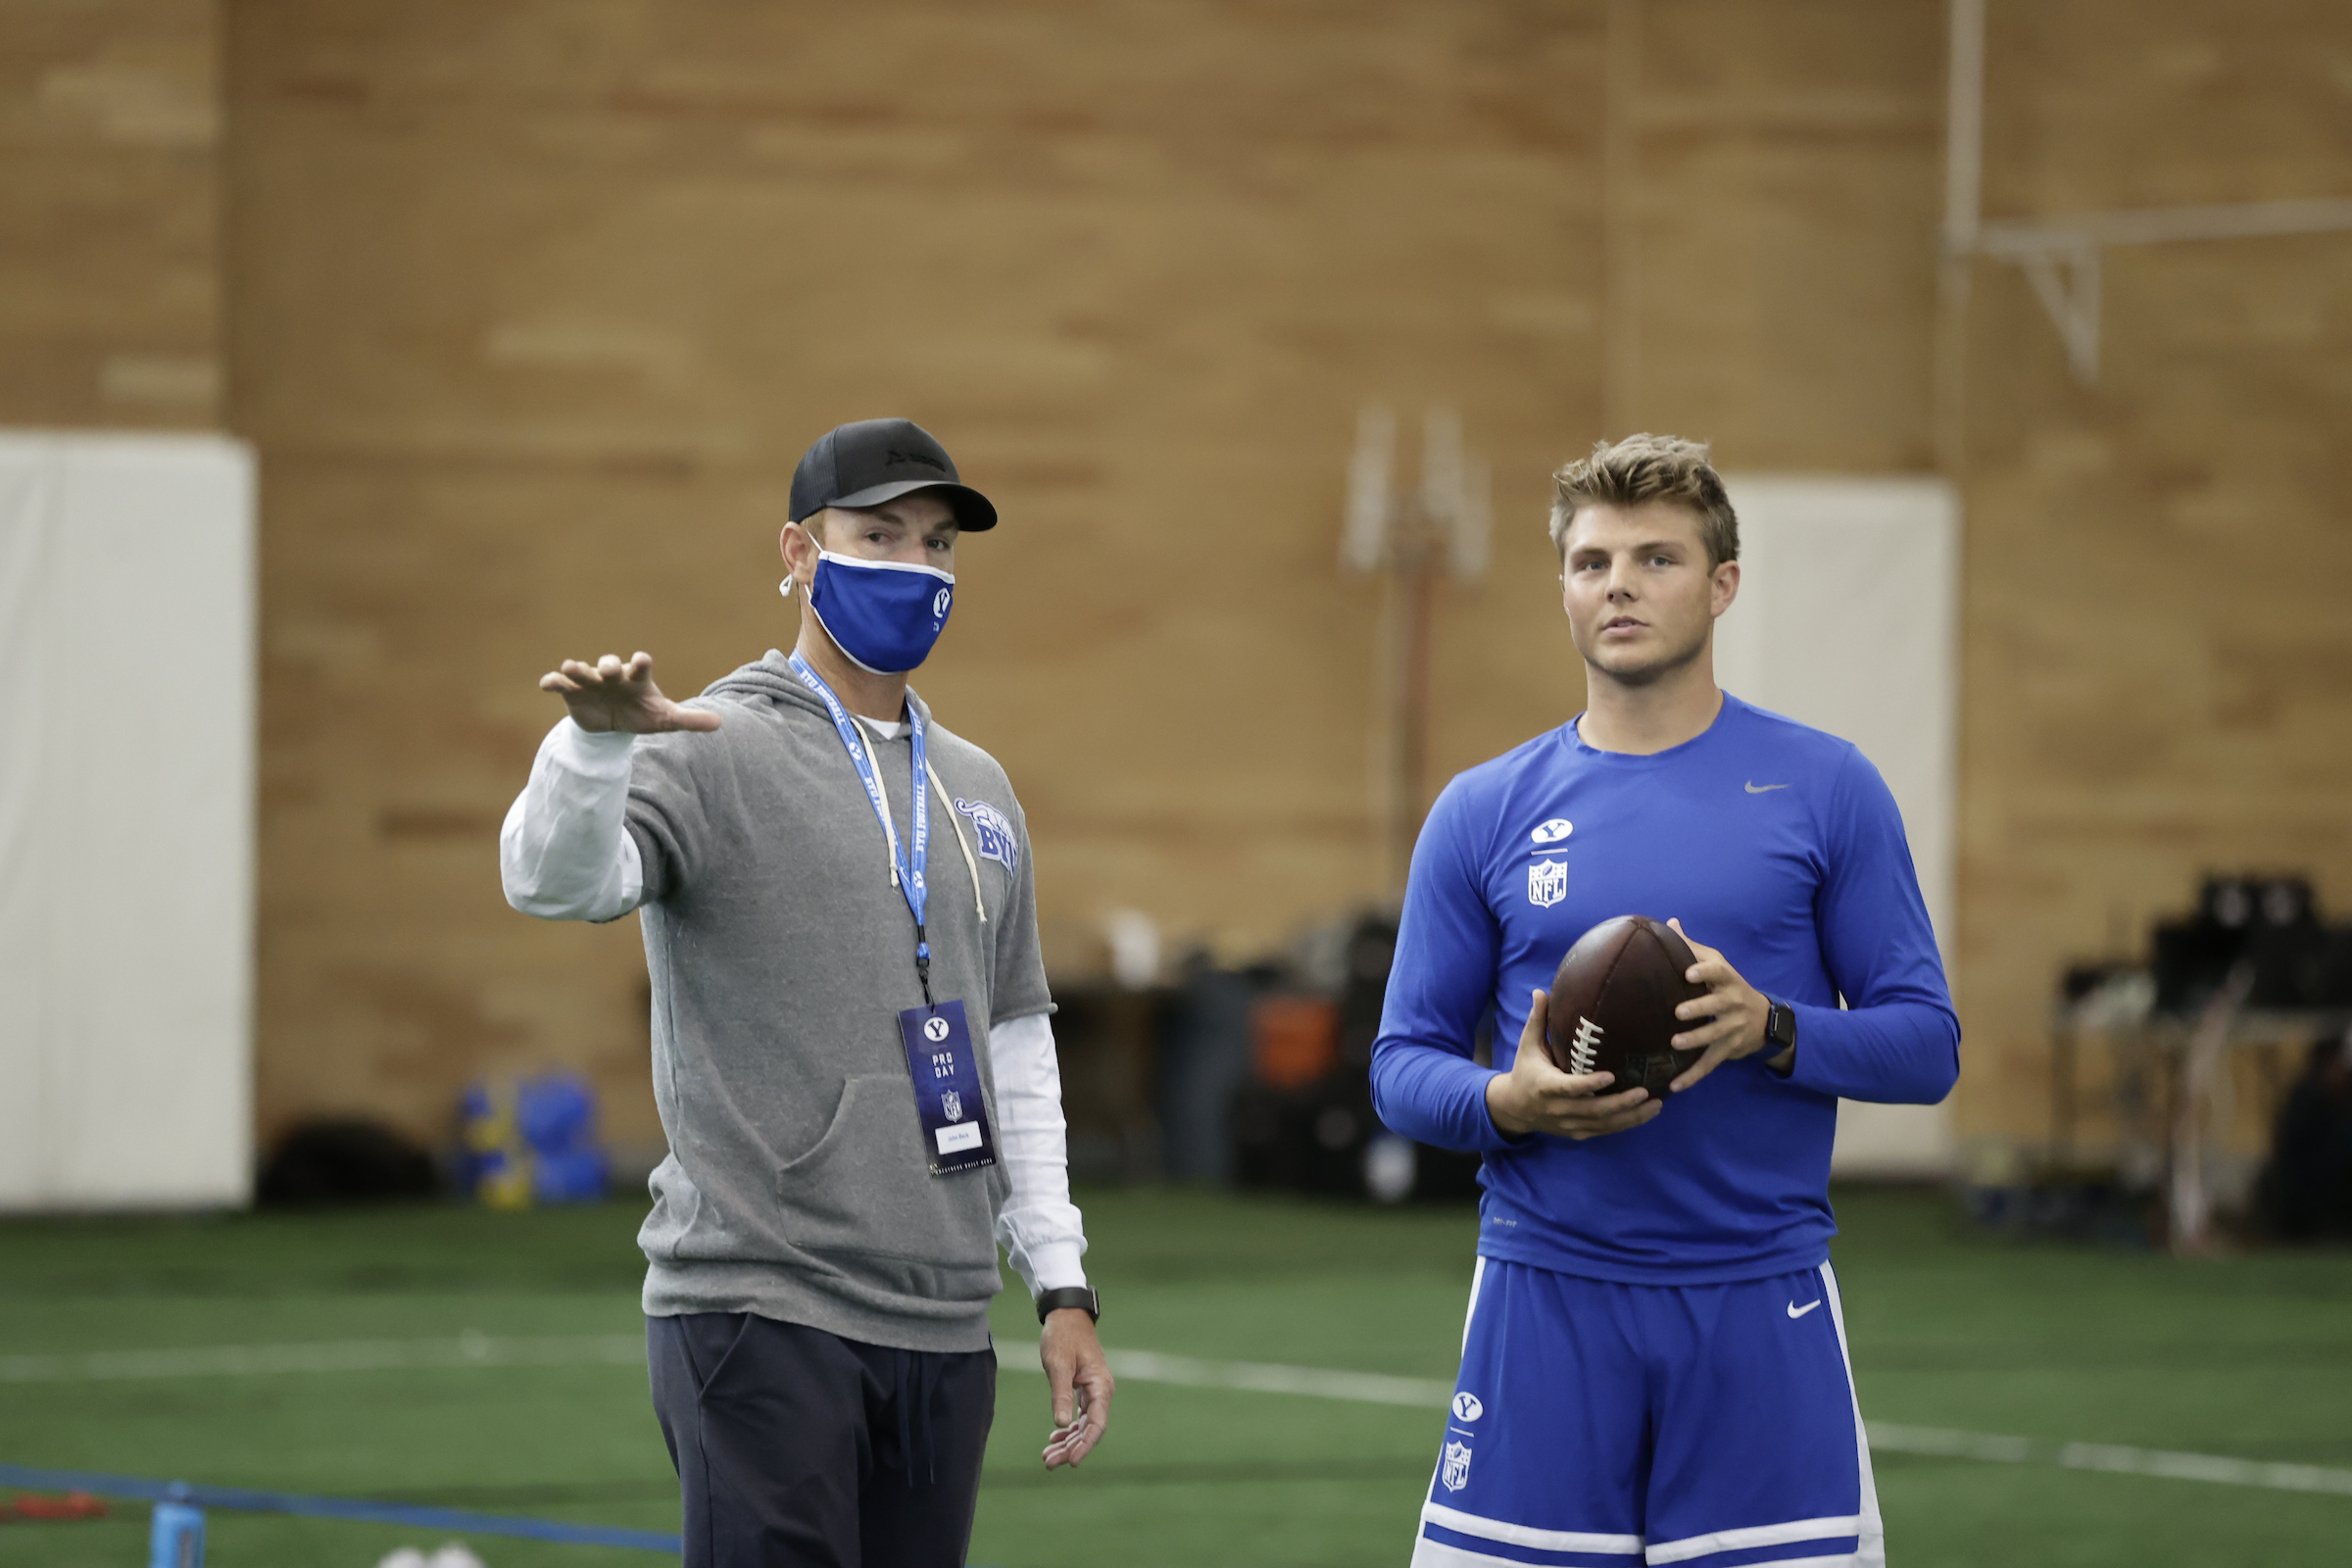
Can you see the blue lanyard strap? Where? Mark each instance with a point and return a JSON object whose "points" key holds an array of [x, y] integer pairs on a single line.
{"points": [[909, 876]]}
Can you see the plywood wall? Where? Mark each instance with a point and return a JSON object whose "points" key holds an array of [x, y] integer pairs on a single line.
{"points": [[532, 307], [2157, 643], [538, 305], [109, 214]]}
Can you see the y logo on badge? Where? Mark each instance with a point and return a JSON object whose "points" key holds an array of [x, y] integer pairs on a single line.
{"points": [[935, 1029], [1546, 883]]}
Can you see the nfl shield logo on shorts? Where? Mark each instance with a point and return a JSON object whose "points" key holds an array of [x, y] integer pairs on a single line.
{"points": [[1454, 1472], [1546, 883], [952, 1105]]}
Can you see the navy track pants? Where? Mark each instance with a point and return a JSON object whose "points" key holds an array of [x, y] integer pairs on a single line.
{"points": [[797, 1448]]}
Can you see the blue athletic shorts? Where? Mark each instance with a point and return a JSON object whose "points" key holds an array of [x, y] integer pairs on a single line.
{"points": [[1603, 1426]]}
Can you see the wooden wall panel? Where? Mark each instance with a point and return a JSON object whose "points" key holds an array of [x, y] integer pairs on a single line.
{"points": [[537, 306], [534, 306], [2158, 658], [109, 230]]}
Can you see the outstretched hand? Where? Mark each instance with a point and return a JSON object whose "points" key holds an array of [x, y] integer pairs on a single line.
{"points": [[609, 695], [1536, 1097], [1078, 1380]]}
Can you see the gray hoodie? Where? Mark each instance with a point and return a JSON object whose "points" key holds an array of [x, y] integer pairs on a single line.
{"points": [[781, 954]]}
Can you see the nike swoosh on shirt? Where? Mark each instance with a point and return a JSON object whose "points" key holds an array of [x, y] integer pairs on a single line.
{"points": [[1795, 1310], [1759, 789]]}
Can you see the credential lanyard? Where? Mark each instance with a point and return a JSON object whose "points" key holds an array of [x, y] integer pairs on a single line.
{"points": [[910, 877]]}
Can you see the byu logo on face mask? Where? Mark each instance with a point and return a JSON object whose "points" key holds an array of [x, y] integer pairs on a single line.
{"points": [[935, 1029], [1546, 883], [884, 615]]}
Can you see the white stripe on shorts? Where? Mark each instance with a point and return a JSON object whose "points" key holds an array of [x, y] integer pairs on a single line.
{"points": [[1428, 1553], [1869, 1551], [1470, 1524], [1478, 1277], [1689, 1546]]}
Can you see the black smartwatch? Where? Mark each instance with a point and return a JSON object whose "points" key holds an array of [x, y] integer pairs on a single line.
{"points": [[1780, 1029], [1081, 1297]]}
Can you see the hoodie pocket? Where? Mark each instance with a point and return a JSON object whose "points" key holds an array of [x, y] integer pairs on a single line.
{"points": [[865, 1189]]}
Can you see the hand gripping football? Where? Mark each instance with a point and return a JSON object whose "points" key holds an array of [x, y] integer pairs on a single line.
{"points": [[1613, 1000]]}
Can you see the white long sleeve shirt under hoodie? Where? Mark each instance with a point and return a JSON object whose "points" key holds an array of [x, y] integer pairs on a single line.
{"points": [[564, 855]]}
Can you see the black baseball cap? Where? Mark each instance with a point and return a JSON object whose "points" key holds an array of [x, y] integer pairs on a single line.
{"points": [[873, 460]]}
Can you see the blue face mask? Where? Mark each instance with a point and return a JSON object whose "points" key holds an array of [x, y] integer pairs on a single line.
{"points": [[885, 615]]}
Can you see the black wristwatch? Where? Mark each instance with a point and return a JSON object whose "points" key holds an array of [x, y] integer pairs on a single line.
{"points": [[1780, 1029], [1081, 1297]]}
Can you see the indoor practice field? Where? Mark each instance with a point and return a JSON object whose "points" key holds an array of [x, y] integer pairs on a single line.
{"points": [[520, 1389]]}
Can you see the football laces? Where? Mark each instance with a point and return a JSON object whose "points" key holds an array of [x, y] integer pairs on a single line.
{"points": [[1584, 1049]]}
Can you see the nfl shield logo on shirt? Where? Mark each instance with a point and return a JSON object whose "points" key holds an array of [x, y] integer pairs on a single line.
{"points": [[952, 1103], [1546, 883], [1456, 1471]]}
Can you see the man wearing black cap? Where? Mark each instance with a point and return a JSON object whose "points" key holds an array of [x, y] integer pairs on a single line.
{"points": [[850, 1049]]}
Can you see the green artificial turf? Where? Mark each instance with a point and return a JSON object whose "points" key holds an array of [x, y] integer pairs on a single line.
{"points": [[2249, 1357]]}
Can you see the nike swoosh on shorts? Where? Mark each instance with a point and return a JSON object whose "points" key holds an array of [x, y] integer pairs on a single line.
{"points": [[1759, 789], [1795, 1310]]}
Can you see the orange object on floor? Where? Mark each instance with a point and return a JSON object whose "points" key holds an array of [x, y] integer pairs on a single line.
{"points": [[31, 1506], [1294, 1040]]}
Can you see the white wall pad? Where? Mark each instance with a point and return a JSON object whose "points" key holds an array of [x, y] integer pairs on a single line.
{"points": [[1847, 619], [126, 607]]}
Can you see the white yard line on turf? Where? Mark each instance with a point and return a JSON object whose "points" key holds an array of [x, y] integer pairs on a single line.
{"points": [[476, 1349], [1888, 1438], [328, 1355]]}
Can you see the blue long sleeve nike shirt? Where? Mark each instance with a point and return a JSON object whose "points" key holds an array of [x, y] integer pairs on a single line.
{"points": [[1776, 843]]}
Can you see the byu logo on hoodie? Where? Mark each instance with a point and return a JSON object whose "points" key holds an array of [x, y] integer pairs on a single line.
{"points": [[995, 831]]}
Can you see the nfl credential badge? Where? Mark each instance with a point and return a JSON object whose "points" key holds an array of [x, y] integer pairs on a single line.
{"points": [[1454, 1472], [946, 1088], [1546, 883]]}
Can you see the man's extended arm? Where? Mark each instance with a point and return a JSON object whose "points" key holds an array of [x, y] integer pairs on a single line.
{"points": [[564, 853]]}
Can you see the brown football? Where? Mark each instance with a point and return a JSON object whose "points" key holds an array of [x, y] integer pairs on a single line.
{"points": [[1613, 1000]]}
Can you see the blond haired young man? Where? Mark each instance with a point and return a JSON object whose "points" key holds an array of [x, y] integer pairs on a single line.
{"points": [[1654, 1366]]}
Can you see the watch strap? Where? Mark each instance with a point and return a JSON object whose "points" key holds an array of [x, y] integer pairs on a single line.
{"points": [[1779, 1031], [1081, 1297]]}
